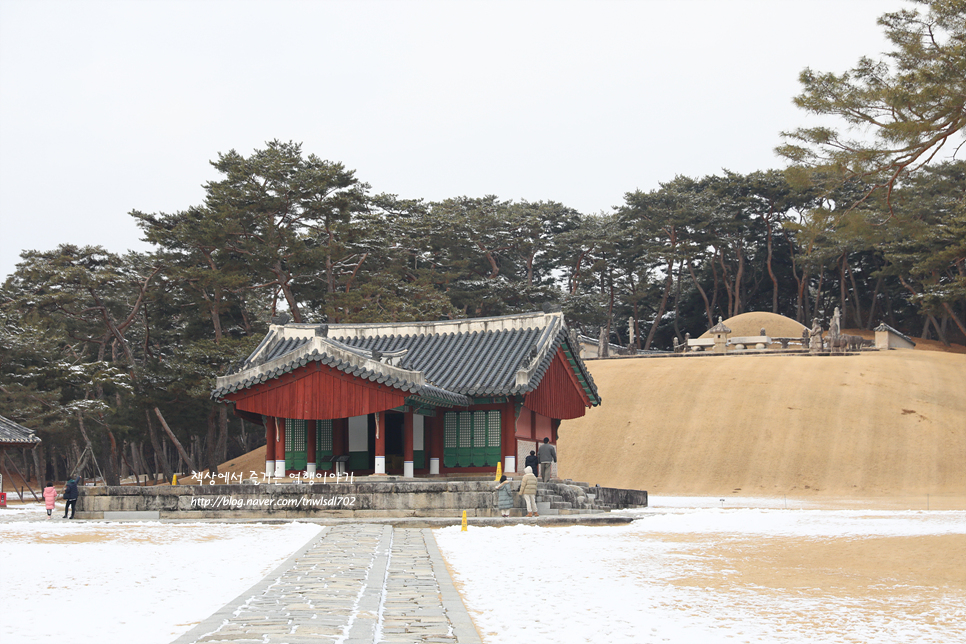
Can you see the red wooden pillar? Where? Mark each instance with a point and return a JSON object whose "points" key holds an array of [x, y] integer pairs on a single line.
{"points": [[310, 448], [380, 446], [439, 436], [408, 445], [280, 448], [508, 437], [269, 445], [429, 443], [340, 436]]}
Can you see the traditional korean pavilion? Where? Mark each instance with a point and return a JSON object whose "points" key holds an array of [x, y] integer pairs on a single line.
{"points": [[413, 398]]}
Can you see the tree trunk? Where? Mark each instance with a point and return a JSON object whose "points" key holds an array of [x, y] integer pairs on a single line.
{"points": [[949, 309], [40, 465], [159, 453], [211, 440], [843, 305], [174, 440], [221, 453], [855, 296], [677, 305], [704, 296], [660, 311], [875, 299], [739, 278], [818, 295], [727, 284], [771, 272]]}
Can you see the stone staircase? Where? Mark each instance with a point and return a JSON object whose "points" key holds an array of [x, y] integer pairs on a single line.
{"points": [[567, 497]]}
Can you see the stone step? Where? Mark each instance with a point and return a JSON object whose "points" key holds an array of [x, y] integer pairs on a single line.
{"points": [[562, 505]]}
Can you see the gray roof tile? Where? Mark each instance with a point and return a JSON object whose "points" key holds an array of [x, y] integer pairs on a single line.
{"points": [[11, 432], [444, 362]]}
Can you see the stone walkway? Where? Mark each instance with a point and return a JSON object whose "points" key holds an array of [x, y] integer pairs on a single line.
{"points": [[353, 584]]}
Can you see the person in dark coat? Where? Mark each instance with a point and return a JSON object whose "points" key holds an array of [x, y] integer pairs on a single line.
{"points": [[70, 495], [531, 462], [547, 456]]}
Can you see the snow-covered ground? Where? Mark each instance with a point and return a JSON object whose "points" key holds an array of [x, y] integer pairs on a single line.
{"points": [[621, 583], [672, 576], [100, 582]]}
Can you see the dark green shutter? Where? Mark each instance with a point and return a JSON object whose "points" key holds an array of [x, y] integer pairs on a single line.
{"points": [[450, 438], [323, 444], [296, 434], [493, 431], [471, 439]]}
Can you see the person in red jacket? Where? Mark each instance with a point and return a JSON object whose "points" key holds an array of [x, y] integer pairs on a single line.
{"points": [[50, 495]]}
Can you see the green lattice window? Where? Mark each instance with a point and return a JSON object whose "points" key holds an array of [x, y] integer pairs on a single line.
{"points": [[323, 443], [471, 439], [296, 444]]}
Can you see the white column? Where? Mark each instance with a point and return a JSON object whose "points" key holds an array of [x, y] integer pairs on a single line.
{"points": [[310, 468], [380, 465], [434, 466], [269, 468], [280, 469], [509, 464], [408, 469]]}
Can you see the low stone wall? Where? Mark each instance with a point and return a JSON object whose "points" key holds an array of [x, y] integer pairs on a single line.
{"points": [[363, 499], [620, 498]]}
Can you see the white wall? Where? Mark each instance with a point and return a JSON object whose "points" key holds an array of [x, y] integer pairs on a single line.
{"points": [[359, 434], [418, 443]]}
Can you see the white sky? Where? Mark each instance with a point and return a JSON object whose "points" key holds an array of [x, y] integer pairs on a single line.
{"points": [[106, 107]]}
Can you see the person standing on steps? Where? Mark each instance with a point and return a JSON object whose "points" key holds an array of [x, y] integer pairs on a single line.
{"points": [[50, 495], [70, 496], [504, 496], [548, 456], [531, 461], [528, 490]]}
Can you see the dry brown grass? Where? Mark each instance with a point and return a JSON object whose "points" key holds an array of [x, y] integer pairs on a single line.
{"points": [[879, 424]]}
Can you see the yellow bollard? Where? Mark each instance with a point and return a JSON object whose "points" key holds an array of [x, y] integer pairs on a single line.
{"points": [[499, 471], [174, 479], [463, 528]]}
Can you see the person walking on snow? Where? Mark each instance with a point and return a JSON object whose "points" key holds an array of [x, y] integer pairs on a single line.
{"points": [[528, 490], [504, 496], [548, 456], [70, 496], [50, 495]]}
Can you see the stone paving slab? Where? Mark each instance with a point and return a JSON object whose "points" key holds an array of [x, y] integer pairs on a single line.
{"points": [[354, 583]]}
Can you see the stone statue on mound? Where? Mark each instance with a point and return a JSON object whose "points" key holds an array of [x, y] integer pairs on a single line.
{"points": [[815, 337], [835, 326]]}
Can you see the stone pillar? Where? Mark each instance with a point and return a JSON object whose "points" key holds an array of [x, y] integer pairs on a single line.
{"points": [[269, 445], [380, 446], [429, 442], [310, 448], [280, 448], [508, 438], [408, 445]]}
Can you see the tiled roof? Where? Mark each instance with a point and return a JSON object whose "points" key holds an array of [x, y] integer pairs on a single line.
{"points": [[449, 362], [11, 432]]}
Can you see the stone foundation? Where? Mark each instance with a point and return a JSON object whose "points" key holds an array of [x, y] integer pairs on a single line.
{"points": [[364, 499]]}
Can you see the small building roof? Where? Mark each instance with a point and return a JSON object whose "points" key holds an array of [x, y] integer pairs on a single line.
{"points": [[718, 328], [883, 327], [12, 433], [445, 362]]}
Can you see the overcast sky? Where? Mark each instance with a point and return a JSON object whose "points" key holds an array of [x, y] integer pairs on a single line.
{"points": [[106, 107]]}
